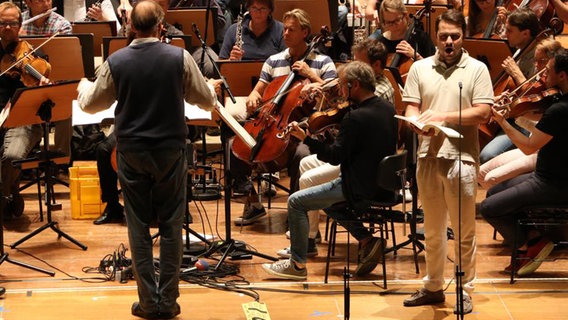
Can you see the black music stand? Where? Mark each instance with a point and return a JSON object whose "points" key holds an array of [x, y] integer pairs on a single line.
{"points": [[492, 52], [229, 246], [41, 105], [4, 256]]}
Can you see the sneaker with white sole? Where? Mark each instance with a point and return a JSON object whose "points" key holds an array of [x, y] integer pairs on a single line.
{"points": [[287, 254], [285, 269], [467, 305]]}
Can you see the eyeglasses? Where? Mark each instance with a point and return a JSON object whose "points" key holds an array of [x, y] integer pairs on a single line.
{"points": [[255, 9], [543, 61], [393, 22], [12, 24], [445, 36]]}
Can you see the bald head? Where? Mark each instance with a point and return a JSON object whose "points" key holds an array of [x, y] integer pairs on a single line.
{"points": [[146, 18]]}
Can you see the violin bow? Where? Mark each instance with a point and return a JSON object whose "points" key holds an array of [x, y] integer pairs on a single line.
{"points": [[28, 53]]}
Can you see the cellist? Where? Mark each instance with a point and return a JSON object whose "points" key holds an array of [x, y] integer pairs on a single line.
{"points": [[16, 142], [521, 29], [395, 23], [484, 14], [315, 67]]}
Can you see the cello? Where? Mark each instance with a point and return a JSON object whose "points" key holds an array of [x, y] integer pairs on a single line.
{"points": [[281, 105], [400, 61]]}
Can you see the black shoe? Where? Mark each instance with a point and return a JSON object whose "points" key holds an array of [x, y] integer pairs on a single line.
{"points": [[2, 291], [250, 215], [137, 311], [171, 314], [14, 206], [241, 188], [112, 213]]}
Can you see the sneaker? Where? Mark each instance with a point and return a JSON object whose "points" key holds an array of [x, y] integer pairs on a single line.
{"points": [[467, 305], [369, 256], [241, 188], [285, 269], [531, 260], [266, 191], [250, 215], [318, 236], [287, 254], [424, 297]]}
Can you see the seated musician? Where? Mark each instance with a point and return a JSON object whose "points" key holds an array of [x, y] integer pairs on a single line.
{"points": [[90, 10], [315, 67], [46, 25], [395, 22], [367, 134], [260, 33], [522, 28], [16, 142], [485, 14], [514, 162], [546, 185], [314, 171]]}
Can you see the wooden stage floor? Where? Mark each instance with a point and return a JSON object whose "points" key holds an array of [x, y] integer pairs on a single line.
{"points": [[75, 294]]}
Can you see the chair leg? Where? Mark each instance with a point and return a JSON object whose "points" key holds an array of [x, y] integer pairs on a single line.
{"points": [[514, 252], [330, 248]]}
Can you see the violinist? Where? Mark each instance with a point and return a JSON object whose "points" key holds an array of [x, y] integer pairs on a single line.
{"points": [[395, 22], [315, 67], [514, 162], [547, 185], [314, 171], [484, 14], [16, 142], [46, 25], [367, 134], [522, 28]]}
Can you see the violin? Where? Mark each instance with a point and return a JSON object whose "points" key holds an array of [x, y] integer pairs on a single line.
{"points": [[536, 103], [20, 62], [281, 105]]}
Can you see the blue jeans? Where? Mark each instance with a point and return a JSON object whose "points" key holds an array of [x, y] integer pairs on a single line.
{"points": [[154, 187], [499, 144], [324, 196]]}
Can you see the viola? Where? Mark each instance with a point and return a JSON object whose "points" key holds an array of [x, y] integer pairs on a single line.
{"points": [[20, 62], [282, 105]]}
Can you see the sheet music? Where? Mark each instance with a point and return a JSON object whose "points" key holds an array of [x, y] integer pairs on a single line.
{"points": [[80, 117]]}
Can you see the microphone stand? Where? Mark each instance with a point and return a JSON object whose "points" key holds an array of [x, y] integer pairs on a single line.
{"points": [[225, 85], [204, 194], [203, 43], [459, 273]]}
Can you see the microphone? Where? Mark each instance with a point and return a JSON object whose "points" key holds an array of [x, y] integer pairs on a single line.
{"points": [[460, 85], [200, 265]]}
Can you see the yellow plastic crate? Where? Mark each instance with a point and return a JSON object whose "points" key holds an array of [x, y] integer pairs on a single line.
{"points": [[85, 191]]}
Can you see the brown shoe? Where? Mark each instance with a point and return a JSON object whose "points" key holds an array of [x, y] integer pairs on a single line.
{"points": [[424, 297]]}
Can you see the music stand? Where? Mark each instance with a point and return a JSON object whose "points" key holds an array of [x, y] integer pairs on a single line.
{"points": [[229, 246], [41, 105], [492, 52]]}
